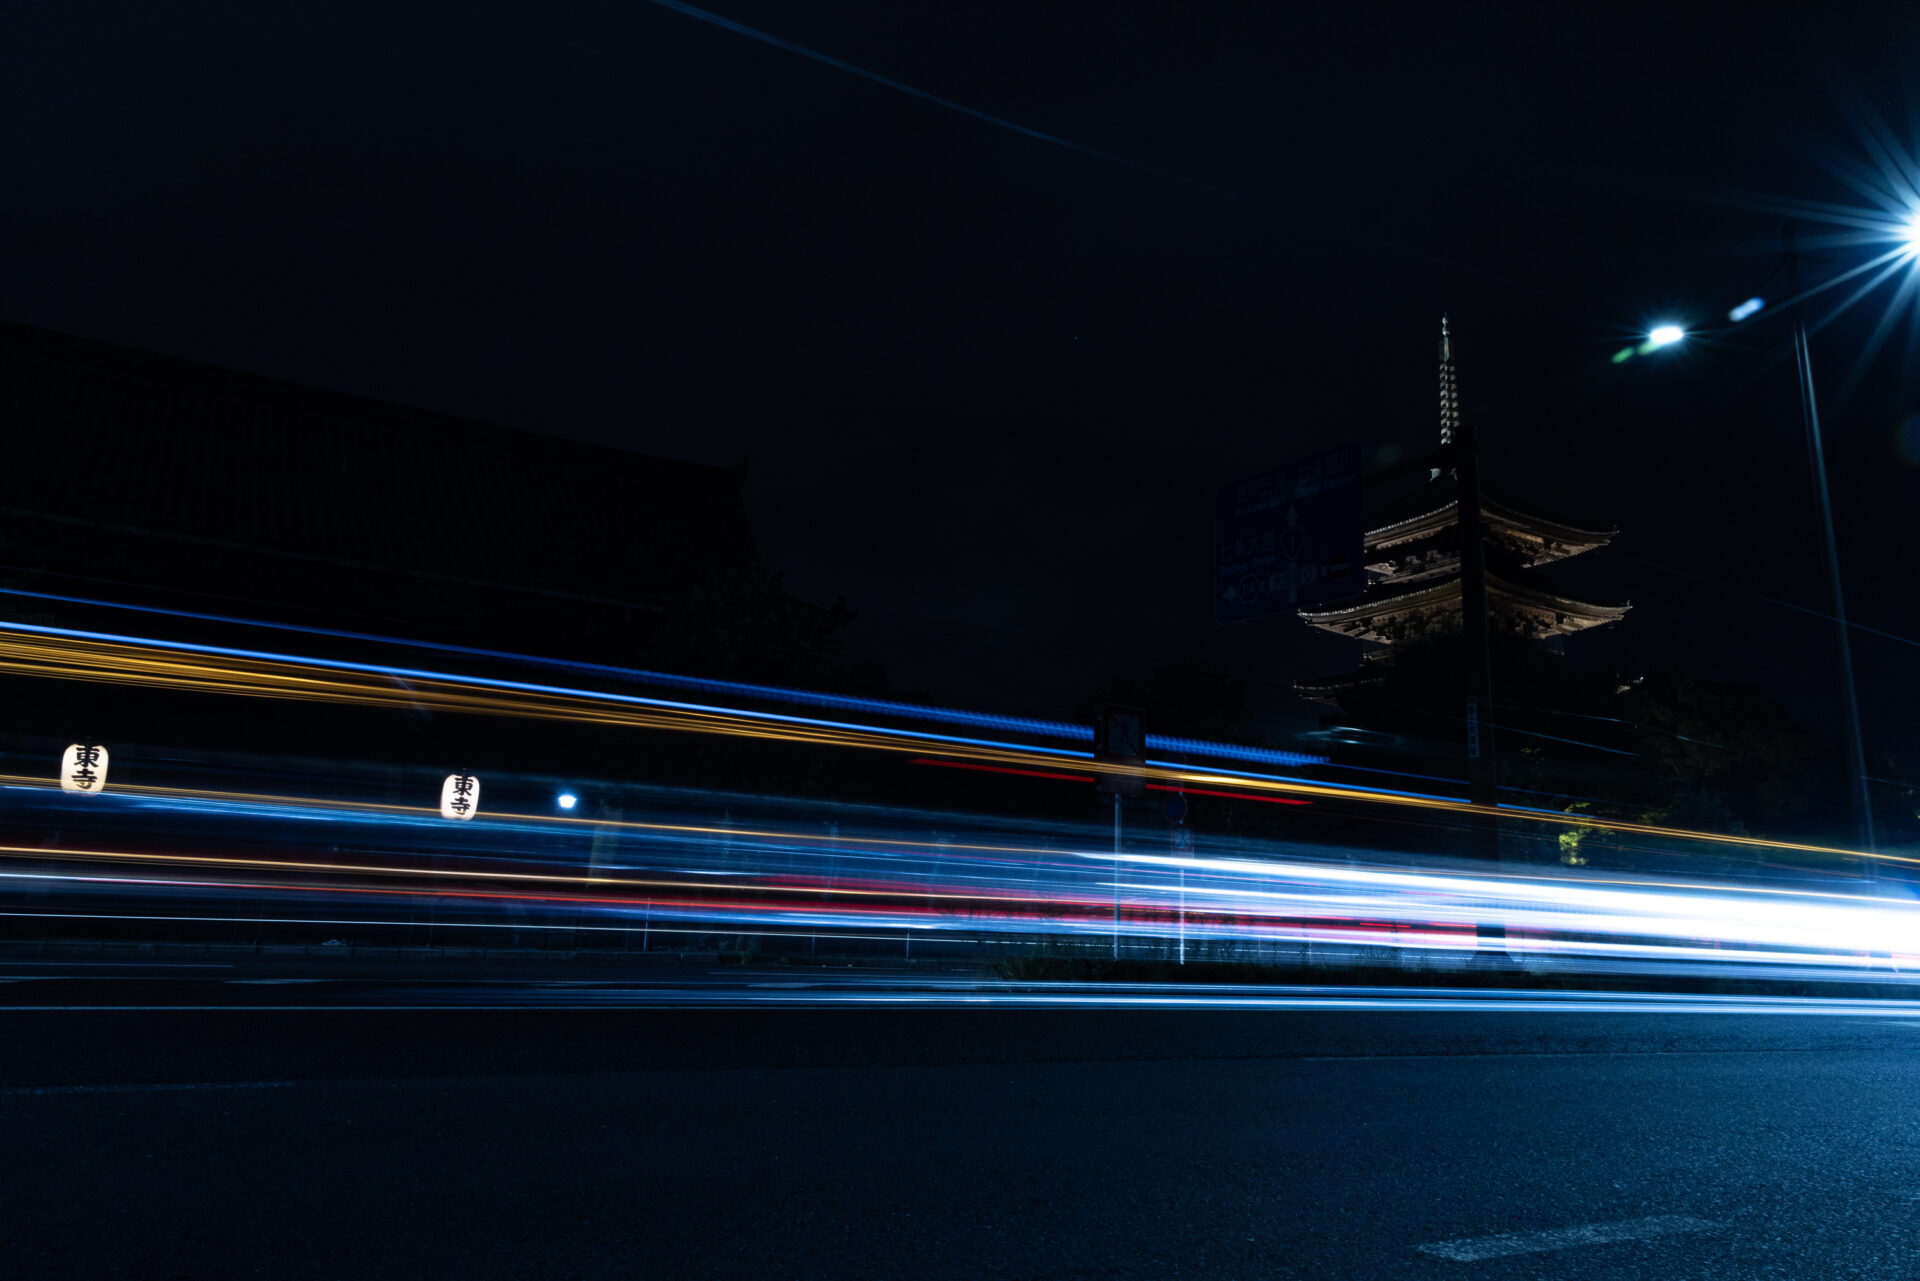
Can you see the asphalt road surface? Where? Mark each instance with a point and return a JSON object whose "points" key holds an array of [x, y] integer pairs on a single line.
{"points": [[278, 1135]]}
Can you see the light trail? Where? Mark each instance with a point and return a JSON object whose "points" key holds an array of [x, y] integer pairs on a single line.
{"points": [[872, 884], [777, 881], [882, 991], [68, 654], [1064, 730], [1025, 854]]}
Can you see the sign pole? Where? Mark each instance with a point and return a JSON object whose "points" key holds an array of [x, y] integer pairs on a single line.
{"points": [[1183, 916], [1183, 846], [1175, 809], [1119, 739], [1116, 876]]}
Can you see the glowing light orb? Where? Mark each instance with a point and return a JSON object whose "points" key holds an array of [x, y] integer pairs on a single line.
{"points": [[567, 800], [1664, 335], [1910, 234], [1745, 309]]}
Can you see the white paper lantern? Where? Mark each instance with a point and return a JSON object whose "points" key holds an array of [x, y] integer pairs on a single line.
{"points": [[460, 796], [83, 768]]}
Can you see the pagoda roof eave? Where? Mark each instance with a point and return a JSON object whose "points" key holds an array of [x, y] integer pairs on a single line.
{"points": [[1441, 593], [1558, 603], [1560, 530], [1340, 683], [1413, 526], [1496, 513], [1432, 507], [1328, 689], [1369, 606]]}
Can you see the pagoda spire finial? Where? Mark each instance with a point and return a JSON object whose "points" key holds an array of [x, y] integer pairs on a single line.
{"points": [[1449, 387]]}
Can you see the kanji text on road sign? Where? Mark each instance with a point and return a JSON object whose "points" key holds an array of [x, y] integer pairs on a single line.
{"points": [[1289, 537]]}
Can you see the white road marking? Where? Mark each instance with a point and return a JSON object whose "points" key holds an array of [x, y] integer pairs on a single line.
{"points": [[1473, 1249], [143, 1089]]}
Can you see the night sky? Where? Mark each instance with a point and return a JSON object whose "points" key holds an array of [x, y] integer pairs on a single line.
{"points": [[988, 385]]}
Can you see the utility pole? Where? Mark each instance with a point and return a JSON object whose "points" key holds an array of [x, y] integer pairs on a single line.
{"points": [[1816, 451], [1458, 434], [1119, 739]]}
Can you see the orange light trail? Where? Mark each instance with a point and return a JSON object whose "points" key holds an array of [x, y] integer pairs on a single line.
{"points": [[114, 662]]}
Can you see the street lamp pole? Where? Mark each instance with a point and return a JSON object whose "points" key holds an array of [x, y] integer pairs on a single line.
{"points": [[1810, 416]]}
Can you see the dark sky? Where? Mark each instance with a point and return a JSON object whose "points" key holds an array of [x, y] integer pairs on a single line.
{"points": [[988, 385]]}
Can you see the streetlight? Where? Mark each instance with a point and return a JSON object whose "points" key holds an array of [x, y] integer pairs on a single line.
{"points": [[567, 800], [1664, 334], [1886, 217]]}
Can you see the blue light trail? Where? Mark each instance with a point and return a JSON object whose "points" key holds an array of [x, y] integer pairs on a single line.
{"points": [[1068, 731]]}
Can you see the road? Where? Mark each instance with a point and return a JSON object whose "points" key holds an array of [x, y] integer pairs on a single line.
{"points": [[823, 1141]]}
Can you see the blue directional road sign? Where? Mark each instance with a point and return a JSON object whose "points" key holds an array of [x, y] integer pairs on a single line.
{"points": [[1289, 538], [1120, 738]]}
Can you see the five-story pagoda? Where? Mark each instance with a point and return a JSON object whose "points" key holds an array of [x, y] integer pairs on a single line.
{"points": [[1414, 568]]}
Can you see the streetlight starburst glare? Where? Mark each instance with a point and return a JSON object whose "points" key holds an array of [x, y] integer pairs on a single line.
{"points": [[1867, 242], [1665, 335]]}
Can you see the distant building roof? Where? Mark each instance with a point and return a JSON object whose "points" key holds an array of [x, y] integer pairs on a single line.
{"points": [[175, 459]]}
